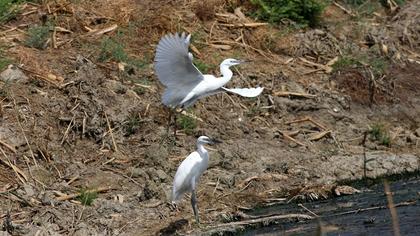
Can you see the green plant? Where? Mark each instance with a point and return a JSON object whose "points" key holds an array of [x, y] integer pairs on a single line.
{"points": [[4, 61], [8, 10], [202, 66], [377, 63], [86, 197], [139, 90], [306, 12], [38, 36], [132, 124], [345, 62], [112, 49], [380, 134], [355, 2], [186, 123]]}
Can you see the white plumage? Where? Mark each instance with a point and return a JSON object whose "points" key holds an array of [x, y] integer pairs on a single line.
{"points": [[189, 172], [184, 83]]}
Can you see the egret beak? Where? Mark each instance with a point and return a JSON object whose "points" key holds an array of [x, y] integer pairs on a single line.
{"points": [[214, 141], [243, 61]]}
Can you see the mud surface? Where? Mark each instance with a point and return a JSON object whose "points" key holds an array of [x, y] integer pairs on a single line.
{"points": [[75, 123]]}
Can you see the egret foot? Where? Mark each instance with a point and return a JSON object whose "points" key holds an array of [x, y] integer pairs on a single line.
{"points": [[173, 206]]}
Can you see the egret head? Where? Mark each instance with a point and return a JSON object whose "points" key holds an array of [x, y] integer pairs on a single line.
{"points": [[207, 140], [231, 62]]}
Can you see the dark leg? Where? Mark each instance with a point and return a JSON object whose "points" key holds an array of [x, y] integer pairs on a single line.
{"points": [[169, 121], [194, 205], [175, 125]]}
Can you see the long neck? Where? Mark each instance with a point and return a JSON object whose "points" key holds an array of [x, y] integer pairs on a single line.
{"points": [[226, 72], [201, 149]]}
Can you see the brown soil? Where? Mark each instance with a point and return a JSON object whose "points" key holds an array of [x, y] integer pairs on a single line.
{"points": [[80, 123]]}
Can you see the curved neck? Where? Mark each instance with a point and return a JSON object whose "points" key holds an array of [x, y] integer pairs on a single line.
{"points": [[226, 72], [201, 149]]}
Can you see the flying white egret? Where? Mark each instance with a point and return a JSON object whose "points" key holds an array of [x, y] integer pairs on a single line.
{"points": [[189, 172], [184, 83]]}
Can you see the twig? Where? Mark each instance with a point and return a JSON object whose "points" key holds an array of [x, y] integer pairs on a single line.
{"points": [[394, 216], [8, 146], [264, 219], [75, 195], [328, 69], [23, 132], [290, 138], [314, 214], [191, 115], [370, 209], [293, 94], [17, 171], [119, 231], [251, 25], [54, 38], [111, 133], [103, 31], [320, 135], [308, 119], [66, 133], [344, 9]]}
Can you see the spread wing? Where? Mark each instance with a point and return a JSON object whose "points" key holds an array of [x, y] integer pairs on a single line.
{"points": [[173, 62], [245, 92]]}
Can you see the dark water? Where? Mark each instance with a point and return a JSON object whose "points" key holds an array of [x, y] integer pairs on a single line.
{"points": [[337, 212]]}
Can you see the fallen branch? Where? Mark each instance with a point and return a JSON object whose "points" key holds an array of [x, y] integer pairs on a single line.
{"points": [[328, 69], [112, 135], [344, 9], [237, 25], [191, 115], [75, 195], [287, 136], [8, 146], [103, 31], [257, 220], [293, 94], [18, 172], [320, 135], [307, 119], [370, 209]]}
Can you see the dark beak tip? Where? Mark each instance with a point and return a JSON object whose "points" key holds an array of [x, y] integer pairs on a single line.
{"points": [[215, 141]]}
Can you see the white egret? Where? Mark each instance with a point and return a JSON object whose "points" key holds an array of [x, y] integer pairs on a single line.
{"points": [[184, 83], [189, 172]]}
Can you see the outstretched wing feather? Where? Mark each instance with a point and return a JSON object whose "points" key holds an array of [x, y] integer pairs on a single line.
{"points": [[173, 66]]}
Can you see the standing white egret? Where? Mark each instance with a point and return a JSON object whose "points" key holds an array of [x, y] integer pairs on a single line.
{"points": [[184, 83], [189, 172]]}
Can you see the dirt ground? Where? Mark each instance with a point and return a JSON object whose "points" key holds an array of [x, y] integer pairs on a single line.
{"points": [[73, 121]]}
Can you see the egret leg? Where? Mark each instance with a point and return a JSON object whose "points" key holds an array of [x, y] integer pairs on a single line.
{"points": [[175, 126], [169, 121], [194, 206]]}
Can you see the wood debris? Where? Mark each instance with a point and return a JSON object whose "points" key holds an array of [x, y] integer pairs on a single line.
{"points": [[64, 197], [10, 147], [307, 118], [319, 135], [221, 46], [293, 94], [287, 136], [238, 25], [102, 31], [328, 69]]}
